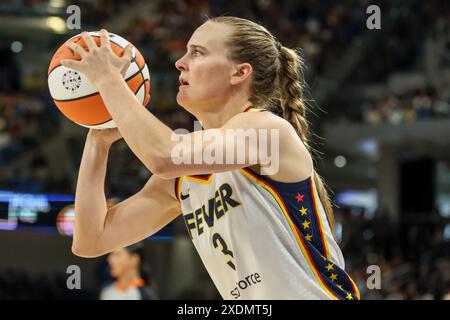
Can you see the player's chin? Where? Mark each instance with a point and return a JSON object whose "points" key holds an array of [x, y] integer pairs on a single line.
{"points": [[187, 101], [182, 99]]}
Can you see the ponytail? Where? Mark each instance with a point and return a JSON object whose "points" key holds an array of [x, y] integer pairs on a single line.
{"points": [[293, 109], [251, 42]]}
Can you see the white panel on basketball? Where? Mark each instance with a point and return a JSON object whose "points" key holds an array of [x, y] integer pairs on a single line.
{"points": [[132, 69], [140, 95], [66, 84], [107, 125], [78, 35], [118, 40], [121, 42]]}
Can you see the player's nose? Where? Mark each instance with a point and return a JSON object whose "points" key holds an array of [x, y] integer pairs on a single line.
{"points": [[181, 64]]}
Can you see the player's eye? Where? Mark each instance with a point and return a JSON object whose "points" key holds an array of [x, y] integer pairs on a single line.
{"points": [[196, 53]]}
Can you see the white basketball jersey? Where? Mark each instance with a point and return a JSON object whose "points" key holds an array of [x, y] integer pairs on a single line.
{"points": [[263, 239]]}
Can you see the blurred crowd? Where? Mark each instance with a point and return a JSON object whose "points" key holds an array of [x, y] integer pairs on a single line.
{"points": [[413, 257], [93, 11], [404, 38], [25, 118], [323, 29], [19, 285], [28, 118]]}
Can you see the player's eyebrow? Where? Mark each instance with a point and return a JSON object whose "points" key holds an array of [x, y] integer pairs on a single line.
{"points": [[196, 46]]}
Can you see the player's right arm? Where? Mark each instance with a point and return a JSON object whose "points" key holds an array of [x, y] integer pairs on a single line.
{"points": [[99, 230]]}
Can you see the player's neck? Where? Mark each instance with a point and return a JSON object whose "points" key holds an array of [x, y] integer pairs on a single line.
{"points": [[217, 118]]}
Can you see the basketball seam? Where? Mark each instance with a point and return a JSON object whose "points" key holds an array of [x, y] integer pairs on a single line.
{"points": [[135, 93], [95, 124], [78, 98], [143, 83], [93, 94], [132, 60], [100, 123]]}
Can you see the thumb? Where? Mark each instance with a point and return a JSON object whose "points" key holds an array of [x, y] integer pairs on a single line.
{"points": [[146, 100], [128, 53], [126, 59]]}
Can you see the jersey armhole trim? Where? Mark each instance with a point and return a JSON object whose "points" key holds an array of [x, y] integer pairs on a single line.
{"points": [[177, 188], [253, 109]]}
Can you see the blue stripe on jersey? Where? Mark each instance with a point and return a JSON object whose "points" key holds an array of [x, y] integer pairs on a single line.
{"points": [[298, 198]]}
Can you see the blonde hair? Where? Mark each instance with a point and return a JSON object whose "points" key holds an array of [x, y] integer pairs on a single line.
{"points": [[274, 63]]}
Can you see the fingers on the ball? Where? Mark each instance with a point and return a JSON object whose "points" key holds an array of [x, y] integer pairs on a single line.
{"points": [[72, 64], [104, 38], [88, 40], [75, 47], [128, 52]]}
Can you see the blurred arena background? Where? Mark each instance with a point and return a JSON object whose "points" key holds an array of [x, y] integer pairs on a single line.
{"points": [[382, 120]]}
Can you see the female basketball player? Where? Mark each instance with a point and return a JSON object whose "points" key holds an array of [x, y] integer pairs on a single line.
{"points": [[259, 236]]}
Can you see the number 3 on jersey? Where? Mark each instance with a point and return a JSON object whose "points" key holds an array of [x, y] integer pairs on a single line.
{"points": [[218, 241]]}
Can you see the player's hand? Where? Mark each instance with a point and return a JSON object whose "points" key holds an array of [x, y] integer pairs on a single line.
{"points": [[99, 62], [105, 137]]}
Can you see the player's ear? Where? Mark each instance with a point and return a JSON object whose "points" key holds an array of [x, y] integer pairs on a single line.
{"points": [[241, 72]]}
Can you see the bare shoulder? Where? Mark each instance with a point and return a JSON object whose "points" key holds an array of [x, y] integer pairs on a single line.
{"points": [[266, 120], [295, 161]]}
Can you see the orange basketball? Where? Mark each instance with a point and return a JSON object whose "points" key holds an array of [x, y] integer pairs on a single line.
{"points": [[78, 99]]}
